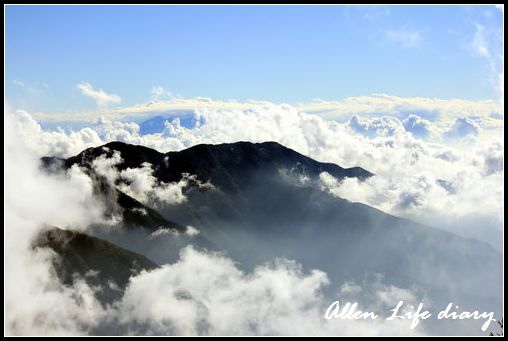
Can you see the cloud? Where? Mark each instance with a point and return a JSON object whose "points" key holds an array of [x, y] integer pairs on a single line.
{"points": [[405, 38], [500, 86], [33, 88], [163, 231], [418, 126], [207, 294], [104, 165], [99, 96], [372, 127], [468, 201], [462, 127], [36, 302], [372, 13], [432, 109], [377, 296], [158, 92], [18, 83], [191, 231], [479, 43], [142, 185], [487, 43], [58, 142], [374, 105]]}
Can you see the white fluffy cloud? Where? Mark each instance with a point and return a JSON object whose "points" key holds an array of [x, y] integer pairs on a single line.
{"points": [[468, 202], [99, 96], [191, 231], [376, 126], [419, 127], [462, 127], [35, 301], [207, 294], [58, 143], [142, 185], [104, 165]]}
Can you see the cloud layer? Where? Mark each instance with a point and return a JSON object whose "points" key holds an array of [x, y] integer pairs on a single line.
{"points": [[373, 105]]}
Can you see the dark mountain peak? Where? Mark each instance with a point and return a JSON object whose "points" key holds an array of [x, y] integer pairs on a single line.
{"points": [[129, 151], [225, 165], [271, 154], [241, 146], [118, 145], [132, 155], [269, 151]]}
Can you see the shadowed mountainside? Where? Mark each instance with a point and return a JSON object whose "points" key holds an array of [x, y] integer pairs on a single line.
{"points": [[98, 261]]}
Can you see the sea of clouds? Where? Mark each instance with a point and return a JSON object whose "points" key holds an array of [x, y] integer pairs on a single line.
{"points": [[436, 162]]}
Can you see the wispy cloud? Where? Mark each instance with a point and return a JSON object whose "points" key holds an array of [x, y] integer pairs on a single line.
{"points": [[404, 38], [368, 13], [100, 96], [33, 87], [480, 42], [159, 92], [342, 109], [486, 43], [375, 12], [18, 83]]}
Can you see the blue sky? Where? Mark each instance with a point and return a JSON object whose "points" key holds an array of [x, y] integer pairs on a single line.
{"points": [[276, 53]]}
